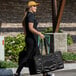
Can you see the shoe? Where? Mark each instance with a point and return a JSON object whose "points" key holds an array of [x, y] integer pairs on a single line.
{"points": [[16, 74], [53, 74], [50, 74], [46, 74]]}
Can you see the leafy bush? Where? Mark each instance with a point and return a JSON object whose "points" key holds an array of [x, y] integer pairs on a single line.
{"points": [[50, 30], [69, 40], [69, 56], [13, 45], [7, 64]]}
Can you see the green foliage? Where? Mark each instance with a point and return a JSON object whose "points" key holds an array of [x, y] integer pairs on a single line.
{"points": [[69, 40], [7, 64], [69, 56], [13, 45], [50, 30]]}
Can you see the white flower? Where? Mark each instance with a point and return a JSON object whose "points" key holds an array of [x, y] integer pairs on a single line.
{"points": [[20, 46], [9, 51], [8, 60], [12, 42]]}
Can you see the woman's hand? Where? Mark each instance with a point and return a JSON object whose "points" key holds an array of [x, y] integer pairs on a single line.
{"points": [[41, 36]]}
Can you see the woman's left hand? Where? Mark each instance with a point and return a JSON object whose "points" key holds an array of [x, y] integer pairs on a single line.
{"points": [[42, 36]]}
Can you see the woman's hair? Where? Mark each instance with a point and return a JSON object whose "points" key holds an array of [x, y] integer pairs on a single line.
{"points": [[26, 10], [25, 13]]}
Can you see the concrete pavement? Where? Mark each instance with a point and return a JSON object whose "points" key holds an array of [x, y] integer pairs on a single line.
{"points": [[66, 73]]}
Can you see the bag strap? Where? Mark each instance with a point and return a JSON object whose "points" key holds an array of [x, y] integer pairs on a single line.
{"points": [[43, 43], [47, 44]]}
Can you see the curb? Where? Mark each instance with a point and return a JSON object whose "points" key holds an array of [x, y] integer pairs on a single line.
{"points": [[11, 71]]}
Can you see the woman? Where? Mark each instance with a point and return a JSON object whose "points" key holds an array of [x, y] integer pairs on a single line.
{"points": [[30, 29]]}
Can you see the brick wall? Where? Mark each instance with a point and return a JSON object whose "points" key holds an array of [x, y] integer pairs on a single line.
{"points": [[12, 11]]}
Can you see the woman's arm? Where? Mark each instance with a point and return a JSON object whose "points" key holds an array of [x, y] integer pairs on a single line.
{"points": [[35, 31]]}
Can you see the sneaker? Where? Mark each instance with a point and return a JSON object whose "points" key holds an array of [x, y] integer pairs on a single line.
{"points": [[16, 74], [46, 74], [53, 74], [50, 74]]}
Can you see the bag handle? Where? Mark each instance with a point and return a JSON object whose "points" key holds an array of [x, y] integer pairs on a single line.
{"points": [[43, 42], [48, 48]]}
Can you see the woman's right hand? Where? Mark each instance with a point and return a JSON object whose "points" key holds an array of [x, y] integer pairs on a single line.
{"points": [[42, 36]]}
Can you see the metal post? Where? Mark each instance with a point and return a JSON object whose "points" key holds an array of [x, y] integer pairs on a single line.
{"points": [[54, 22], [60, 12], [54, 14]]}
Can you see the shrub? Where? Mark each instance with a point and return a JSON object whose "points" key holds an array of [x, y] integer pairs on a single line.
{"points": [[13, 45], [50, 30], [69, 56], [69, 40], [7, 64]]}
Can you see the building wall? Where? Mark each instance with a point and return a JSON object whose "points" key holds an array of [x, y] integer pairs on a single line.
{"points": [[12, 11]]}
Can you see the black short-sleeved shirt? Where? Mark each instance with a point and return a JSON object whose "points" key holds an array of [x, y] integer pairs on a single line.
{"points": [[30, 17]]}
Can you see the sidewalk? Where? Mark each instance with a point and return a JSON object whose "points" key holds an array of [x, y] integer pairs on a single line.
{"points": [[11, 71], [68, 66]]}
